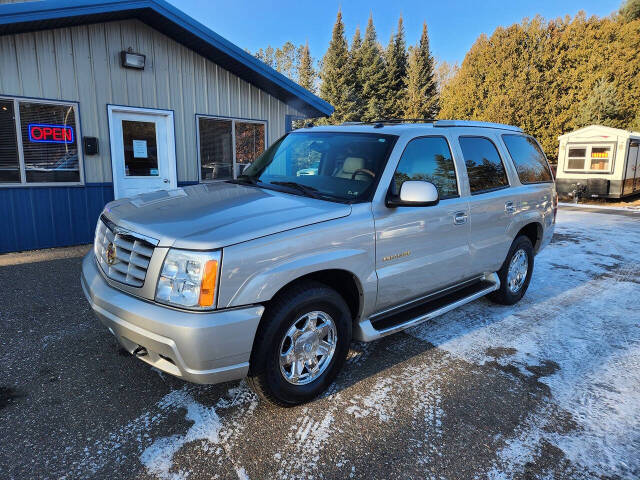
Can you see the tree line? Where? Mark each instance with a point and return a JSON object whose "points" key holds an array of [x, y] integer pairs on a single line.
{"points": [[546, 76]]}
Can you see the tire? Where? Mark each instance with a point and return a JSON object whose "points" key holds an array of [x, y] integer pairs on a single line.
{"points": [[290, 311], [506, 295]]}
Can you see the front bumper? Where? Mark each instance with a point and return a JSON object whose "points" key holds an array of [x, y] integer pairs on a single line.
{"points": [[200, 347]]}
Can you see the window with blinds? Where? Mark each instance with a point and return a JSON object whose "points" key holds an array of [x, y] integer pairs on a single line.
{"points": [[43, 144]]}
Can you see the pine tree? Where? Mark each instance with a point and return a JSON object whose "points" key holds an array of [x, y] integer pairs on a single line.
{"points": [[602, 106], [422, 89], [372, 75], [395, 89], [630, 10], [355, 62], [306, 73], [285, 60], [336, 74]]}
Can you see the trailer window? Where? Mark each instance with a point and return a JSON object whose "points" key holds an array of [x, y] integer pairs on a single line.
{"points": [[600, 157], [576, 158]]}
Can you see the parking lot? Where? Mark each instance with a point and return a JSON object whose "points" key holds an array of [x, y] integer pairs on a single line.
{"points": [[547, 388]]}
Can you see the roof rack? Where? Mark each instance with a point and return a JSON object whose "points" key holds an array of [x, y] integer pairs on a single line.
{"points": [[437, 123]]}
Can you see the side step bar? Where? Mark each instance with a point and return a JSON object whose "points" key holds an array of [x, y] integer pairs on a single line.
{"points": [[374, 328]]}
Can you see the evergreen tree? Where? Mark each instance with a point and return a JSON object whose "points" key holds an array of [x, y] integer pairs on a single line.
{"points": [[371, 75], [630, 10], [285, 60], [422, 89], [395, 88], [355, 61], [337, 76], [306, 73], [602, 106]]}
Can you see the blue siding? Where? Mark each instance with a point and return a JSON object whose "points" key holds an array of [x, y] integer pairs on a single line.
{"points": [[44, 217]]}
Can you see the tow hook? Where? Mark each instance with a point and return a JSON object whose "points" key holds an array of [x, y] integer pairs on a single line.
{"points": [[140, 352]]}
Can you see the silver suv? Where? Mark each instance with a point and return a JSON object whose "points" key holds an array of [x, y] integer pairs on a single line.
{"points": [[271, 275]]}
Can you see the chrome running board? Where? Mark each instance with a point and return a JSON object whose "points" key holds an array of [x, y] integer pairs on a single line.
{"points": [[373, 328]]}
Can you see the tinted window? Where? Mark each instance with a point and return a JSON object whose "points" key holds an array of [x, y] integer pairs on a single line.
{"points": [[429, 159], [9, 164], [484, 167], [529, 160]]}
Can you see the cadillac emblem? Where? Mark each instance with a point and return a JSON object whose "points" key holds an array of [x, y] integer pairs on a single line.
{"points": [[110, 254]]}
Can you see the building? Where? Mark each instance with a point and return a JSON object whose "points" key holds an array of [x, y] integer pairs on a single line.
{"points": [[104, 99], [603, 160]]}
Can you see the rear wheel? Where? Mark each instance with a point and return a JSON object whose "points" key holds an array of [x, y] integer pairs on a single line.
{"points": [[301, 344], [515, 273]]}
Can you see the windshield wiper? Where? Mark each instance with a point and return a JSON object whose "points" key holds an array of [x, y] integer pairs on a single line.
{"points": [[305, 189], [245, 180]]}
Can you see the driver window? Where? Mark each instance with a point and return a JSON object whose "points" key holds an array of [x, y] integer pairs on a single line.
{"points": [[428, 159]]}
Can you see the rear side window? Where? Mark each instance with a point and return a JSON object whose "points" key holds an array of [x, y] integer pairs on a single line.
{"points": [[429, 159], [530, 162], [484, 166]]}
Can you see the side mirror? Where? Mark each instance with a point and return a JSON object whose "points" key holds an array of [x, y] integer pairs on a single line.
{"points": [[414, 193]]}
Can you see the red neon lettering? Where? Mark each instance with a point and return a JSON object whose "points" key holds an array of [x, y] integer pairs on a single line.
{"points": [[36, 133], [57, 134], [67, 134], [47, 132]]}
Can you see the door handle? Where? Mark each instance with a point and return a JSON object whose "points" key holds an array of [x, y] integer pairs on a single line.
{"points": [[460, 218], [509, 207], [165, 180]]}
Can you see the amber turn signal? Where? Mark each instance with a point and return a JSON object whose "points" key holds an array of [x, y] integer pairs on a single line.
{"points": [[208, 285]]}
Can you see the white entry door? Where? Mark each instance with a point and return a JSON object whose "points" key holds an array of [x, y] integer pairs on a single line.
{"points": [[143, 155]]}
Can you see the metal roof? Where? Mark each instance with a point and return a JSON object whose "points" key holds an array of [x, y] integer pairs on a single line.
{"points": [[158, 14]]}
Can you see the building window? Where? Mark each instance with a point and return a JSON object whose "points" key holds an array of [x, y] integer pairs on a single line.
{"points": [[484, 166], [428, 159], [590, 158], [39, 142], [227, 146], [530, 162]]}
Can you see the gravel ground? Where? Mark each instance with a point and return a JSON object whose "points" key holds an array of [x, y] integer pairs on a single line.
{"points": [[549, 388]]}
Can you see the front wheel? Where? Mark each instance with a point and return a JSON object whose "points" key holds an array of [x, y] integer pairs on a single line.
{"points": [[301, 344], [515, 273]]}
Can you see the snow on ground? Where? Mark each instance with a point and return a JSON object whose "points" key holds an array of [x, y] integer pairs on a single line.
{"points": [[576, 333], [580, 318]]}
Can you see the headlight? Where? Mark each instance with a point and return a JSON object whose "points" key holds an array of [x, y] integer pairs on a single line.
{"points": [[189, 279]]}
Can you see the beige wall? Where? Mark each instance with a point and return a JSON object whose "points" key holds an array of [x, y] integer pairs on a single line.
{"points": [[83, 64]]}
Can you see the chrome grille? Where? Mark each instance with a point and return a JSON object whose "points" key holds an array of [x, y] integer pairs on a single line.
{"points": [[122, 256]]}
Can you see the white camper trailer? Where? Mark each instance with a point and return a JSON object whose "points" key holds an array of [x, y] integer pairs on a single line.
{"points": [[599, 161]]}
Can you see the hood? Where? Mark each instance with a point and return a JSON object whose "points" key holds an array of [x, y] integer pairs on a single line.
{"points": [[215, 215]]}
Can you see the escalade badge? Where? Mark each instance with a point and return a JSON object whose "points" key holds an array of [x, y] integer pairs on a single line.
{"points": [[110, 253]]}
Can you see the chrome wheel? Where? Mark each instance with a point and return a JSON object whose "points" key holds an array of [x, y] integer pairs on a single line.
{"points": [[308, 347], [518, 268]]}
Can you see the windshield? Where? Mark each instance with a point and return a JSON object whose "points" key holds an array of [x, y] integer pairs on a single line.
{"points": [[330, 165]]}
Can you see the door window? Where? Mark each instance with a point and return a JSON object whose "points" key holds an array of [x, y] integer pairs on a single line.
{"points": [[140, 149], [530, 162], [484, 166], [428, 159]]}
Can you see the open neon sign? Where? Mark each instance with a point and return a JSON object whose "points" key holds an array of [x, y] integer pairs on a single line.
{"points": [[44, 133]]}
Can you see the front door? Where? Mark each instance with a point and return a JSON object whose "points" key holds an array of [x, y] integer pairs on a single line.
{"points": [[142, 150], [420, 250]]}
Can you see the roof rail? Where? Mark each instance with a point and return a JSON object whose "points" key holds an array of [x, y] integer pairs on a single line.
{"points": [[392, 121], [474, 123]]}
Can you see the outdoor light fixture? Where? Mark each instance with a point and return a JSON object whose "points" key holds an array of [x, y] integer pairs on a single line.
{"points": [[132, 60]]}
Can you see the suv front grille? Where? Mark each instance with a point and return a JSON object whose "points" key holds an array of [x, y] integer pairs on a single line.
{"points": [[122, 256]]}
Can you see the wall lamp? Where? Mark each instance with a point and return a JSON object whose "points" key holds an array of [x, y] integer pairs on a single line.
{"points": [[132, 60]]}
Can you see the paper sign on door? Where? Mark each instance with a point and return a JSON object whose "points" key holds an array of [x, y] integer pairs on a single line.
{"points": [[139, 149]]}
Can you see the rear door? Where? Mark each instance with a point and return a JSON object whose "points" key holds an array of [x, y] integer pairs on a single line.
{"points": [[492, 204], [422, 249], [632, 173]]}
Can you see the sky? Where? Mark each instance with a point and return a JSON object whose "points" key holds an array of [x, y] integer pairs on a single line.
{"points": [[453, 24]]}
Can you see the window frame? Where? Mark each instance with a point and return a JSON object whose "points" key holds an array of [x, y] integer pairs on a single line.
{"points": [[78, 136], [455, 167], [504, 166], [233, 121], [551, 180], [587, 159]]}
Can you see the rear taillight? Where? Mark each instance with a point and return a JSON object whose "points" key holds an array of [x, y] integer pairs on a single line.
{"points": [[555, 204]]}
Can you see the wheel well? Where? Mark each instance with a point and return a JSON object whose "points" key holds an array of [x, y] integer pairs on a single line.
{"points": [[534, 232], [342, 281]]}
